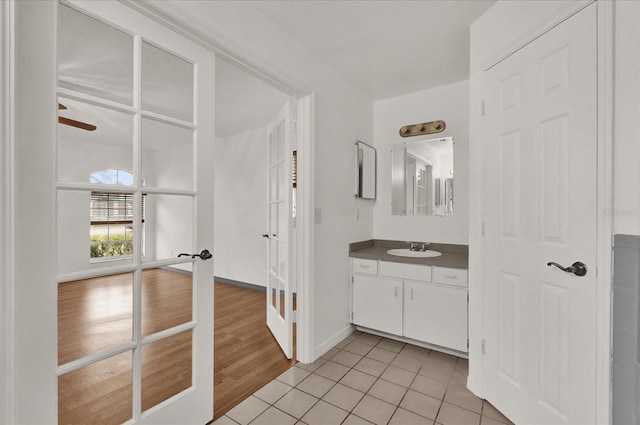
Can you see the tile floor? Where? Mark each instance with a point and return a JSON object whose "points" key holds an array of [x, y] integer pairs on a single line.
{"points": [[366, 379]]}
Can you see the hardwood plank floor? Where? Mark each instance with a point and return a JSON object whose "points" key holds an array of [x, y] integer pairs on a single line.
{"points": [[95, 314], [246, 355]]}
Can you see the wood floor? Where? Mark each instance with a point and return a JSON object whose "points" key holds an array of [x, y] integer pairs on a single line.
{"points": [[246, 355], [95, 315]]}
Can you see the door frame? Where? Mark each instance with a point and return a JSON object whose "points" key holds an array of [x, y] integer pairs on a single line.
{"points": [[529, 29]]}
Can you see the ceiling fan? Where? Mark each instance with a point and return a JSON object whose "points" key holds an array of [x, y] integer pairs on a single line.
{"points": [[74, 123]]}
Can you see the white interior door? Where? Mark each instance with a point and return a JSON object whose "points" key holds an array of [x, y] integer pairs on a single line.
{"points": [[134, 188], [279, 291], [540, 207]]}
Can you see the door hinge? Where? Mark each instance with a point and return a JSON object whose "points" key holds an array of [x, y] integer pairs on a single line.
{"points": [[352, 279], [352, 317], [294, 316], [467, 344], [482, 108], [483, 346]]}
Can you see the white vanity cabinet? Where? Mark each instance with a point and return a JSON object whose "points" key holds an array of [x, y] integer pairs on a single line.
{"points": [[421, 303], [377, 303]]}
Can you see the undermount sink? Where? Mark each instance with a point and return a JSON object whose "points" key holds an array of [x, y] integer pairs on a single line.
{"points": [[409, 253]]}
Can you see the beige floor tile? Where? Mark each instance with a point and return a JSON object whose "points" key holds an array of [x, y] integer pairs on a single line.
{"points": [[391, 345], [225, 420], [358, 380], [490, 411], [376, 411], [355, 420], [368, 338], [421, 404], [429, 386], [458, 379], [333, 371], [370, 366], [408, 363], [316, 385], [463, 365], [485, 420], [324, 413], [358, 347], [346, 358], [296, 403], [273, 416], [398, 376], [454, 415], [293, 376], [464, 398], [442, 374], [248, 410], [415, 352], [330, 353], [404, 417], [311, 367], [441, 359], [343, 397], [272, 391], [381, 355], [387, 391]]}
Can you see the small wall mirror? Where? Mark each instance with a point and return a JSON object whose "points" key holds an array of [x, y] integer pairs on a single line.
{"points": [[422, 177], [365, 171]]}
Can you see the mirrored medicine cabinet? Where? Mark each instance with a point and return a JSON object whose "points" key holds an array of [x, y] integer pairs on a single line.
{"points": [[422, 177], [365, 171]]}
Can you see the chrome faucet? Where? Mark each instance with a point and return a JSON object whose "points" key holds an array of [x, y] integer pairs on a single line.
{"points": [[414, 246]]}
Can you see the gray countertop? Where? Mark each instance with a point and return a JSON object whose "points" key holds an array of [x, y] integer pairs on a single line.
{"points": [[456, 256]]}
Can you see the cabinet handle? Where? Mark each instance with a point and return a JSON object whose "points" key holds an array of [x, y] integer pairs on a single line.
{"points": [[450, 276], [362, 266], [396, 291]]}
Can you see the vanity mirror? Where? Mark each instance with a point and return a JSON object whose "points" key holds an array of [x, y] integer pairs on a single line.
{"points": [[422, 177]]}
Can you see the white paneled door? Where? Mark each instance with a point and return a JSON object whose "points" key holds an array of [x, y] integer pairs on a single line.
{"points": [[279, 202], [134, 195], [539, 131]]}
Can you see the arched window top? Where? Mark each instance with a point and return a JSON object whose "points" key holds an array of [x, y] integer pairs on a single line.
{"points": [[113, 176]]}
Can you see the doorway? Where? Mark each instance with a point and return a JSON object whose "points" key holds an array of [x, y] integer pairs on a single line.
{"points": [[254, 207]]}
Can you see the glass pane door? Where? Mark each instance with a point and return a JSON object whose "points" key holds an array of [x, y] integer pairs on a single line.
{"points": [[131, 197]]}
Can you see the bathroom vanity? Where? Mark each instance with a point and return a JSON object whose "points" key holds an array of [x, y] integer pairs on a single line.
{"points": [[418, 299]]}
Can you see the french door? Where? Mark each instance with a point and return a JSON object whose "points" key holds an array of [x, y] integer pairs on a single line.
{"points": [[279, 290], [540, 209], [134, 194]]}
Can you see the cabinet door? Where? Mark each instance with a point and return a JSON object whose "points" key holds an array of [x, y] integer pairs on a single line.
{"points": [[436, 314], [377, 303]]}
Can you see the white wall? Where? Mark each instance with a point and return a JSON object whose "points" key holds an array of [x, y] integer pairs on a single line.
{"points": [[626, 212], [451, 104], [240, 206]]}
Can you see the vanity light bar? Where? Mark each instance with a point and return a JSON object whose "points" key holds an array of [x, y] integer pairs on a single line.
{"points": [[424, 128]]}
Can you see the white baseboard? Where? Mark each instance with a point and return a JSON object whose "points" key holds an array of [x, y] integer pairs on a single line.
{"points": [[331, 342]]}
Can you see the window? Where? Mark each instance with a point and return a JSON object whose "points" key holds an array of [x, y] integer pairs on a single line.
{"points": [[111, 217]]}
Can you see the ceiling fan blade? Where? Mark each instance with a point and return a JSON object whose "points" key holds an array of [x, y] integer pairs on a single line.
{"points": [[61, 106], [77, 124]]}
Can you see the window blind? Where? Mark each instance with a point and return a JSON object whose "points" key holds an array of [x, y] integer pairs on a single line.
{"points": [[112, 208]]}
